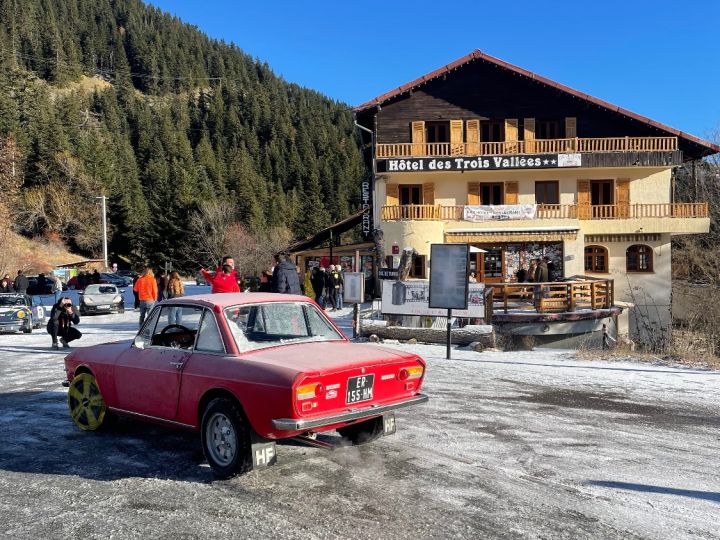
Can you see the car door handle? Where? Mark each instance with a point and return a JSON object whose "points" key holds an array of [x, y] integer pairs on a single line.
{"points": [[177, 365]]}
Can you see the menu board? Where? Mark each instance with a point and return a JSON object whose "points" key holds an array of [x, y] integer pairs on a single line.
{"points": [[449, 276]]}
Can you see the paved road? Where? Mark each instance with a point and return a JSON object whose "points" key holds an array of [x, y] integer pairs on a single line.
{"points": [[512, 445]]}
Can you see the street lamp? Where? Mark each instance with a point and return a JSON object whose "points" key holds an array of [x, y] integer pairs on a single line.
{"points": [[104, 221]]}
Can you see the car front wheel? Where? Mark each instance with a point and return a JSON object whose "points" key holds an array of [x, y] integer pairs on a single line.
{"points": [[225, 438], [86, 404], [362, 432]]}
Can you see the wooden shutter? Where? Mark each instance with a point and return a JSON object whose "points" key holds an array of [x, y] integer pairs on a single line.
{"points": [[529, 135], [392, 194], [511, 193], [457, 148], [472, 134], [418, 138], [428, 193], [570, 127], [511, 135], [622, 197], [473, 193], [583, 199]]}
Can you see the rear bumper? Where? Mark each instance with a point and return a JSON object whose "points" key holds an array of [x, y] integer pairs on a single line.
{"points": [[295, 424], [13, 327]]}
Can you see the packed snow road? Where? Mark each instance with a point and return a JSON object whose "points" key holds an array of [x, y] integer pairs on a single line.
{"points": [[513, 445]]}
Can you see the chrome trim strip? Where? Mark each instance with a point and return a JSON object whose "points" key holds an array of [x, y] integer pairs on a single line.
{"points": [[293, 424], [131, 413]]}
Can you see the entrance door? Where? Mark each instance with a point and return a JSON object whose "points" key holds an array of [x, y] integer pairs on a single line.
{"points": [[491, 265], [602, 198]]}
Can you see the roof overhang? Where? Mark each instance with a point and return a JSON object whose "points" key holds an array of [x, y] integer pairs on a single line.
{"points": [[529, 234], [325, 234]]}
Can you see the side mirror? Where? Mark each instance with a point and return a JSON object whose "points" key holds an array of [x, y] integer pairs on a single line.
{"points": [[139, 342]]}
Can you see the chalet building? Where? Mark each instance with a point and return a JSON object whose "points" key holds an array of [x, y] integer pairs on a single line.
{"points": [[483, 152]]}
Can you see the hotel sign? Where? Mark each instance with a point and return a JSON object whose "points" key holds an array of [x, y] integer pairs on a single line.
{"points": [[480, 163]]}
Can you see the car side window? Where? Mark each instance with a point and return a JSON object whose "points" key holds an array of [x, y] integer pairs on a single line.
{"points": [[209, 338], [146, 331], [177, 327], [319, 326]]}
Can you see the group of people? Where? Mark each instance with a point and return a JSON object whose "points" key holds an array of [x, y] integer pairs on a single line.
{"points": [[538, 272], [328, 286], [149, 289]]}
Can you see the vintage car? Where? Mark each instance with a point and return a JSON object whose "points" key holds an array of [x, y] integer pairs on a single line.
{"points": [[245, 370], [20, 313], [101, 298]]}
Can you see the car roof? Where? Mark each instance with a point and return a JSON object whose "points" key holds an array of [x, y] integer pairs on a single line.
{"points": [[223, 300]]}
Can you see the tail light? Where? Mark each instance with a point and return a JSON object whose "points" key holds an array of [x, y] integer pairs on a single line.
{"points": [[309, 391], [409, 373]]}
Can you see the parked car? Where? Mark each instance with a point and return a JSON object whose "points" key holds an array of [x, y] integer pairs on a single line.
{"points": [[34, 288], [20, 313], [102, 298], [200, 279], [115, 279], [244, 370]]}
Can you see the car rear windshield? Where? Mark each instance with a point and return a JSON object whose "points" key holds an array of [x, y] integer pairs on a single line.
{"points": [[101, 289], [258, 326]]}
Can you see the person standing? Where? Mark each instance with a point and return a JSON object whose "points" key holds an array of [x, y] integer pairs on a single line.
{"points": [[541, 272], [285, 279], [62, 318], [56, 287], [336, 286], [317, 279], [175, 289], [95, 278], [222, 282], [21, 283], [6, 284], [136, 304], [146, 288], [162, 284]]}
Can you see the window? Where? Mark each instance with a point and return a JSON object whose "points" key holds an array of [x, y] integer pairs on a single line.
{"points": [[596, 259], [601, 192], [176, 327], [492, 131], [209, 339], [491, 193], [277, 323], [417, 270], [639, 258], [547, 192], [547, 129], [146, 331], [410, 194], [437, 132]]}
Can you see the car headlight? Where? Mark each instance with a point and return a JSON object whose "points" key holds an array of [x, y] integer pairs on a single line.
{"points": [[117, 299], [20, 314], [87, 301]]}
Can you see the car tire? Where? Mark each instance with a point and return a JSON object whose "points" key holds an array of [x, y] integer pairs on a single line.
{"points": [[86, 404], [362, 432], [28, 329], [225, 438]]}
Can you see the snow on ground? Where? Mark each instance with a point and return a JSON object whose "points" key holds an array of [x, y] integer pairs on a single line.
{"points": [[514, 445]]}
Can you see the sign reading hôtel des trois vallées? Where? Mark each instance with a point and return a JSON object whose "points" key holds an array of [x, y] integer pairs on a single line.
{"points": [[479, 163]]}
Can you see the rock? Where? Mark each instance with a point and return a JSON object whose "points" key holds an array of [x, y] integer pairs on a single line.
{"points": [[412, 341], [477, 346], [373, 338]]}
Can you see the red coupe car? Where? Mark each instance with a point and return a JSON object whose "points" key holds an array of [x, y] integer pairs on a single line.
{"points": [[244, 369]]}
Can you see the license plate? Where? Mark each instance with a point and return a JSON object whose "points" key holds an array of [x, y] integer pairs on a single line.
{"points": [[103, 307], [389, 426], [360, 389]]}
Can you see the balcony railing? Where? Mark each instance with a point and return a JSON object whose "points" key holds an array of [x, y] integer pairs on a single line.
{"points": [[565, 296], [537, 146], [428, 212]]}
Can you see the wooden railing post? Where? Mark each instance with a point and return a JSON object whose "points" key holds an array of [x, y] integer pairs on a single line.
{"points": [[505, 298], [593, 294]]}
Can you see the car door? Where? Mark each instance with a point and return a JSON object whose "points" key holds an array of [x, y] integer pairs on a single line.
{"points": [[147, 376]]}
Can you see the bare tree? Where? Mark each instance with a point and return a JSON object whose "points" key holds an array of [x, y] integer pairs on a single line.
{"points": [[208, 228], [253, 252]]}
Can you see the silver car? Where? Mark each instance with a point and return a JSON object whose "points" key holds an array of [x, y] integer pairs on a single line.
{"points": [[101, 298]]}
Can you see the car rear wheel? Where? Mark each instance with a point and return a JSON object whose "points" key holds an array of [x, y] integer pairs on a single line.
{"points": [[225, 438], [86, 404], [362, 432]]}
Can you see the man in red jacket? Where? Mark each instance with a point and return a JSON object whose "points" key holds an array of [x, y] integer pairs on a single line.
{"points": [[223, 281]]}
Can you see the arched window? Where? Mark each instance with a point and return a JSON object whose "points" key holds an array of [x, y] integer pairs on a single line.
{"points": [[639, 258], [596, 259]]}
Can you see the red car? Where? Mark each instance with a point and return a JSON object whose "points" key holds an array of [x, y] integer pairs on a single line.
{"points": [[244, 369]]}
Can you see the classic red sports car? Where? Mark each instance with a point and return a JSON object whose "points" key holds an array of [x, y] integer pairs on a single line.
{"points": [[245, 369]]}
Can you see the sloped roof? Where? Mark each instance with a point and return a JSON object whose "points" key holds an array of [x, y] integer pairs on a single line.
{"points": [[323, 235], [479, 55]]}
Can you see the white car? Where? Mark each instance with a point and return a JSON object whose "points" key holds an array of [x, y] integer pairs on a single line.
{"points": [[101, 298], [20, 313]]}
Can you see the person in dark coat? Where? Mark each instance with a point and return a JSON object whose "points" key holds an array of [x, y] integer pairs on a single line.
{"points": [[336, 286], [541, 272], [285, 278], [162, 284], [521, 274], [95, 278], [136, 304], [21, 283], [6, 284], [318, 281], [62, 318]]}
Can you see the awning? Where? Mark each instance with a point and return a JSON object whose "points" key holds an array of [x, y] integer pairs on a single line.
{"points": [[536, 234], [333, 230]]}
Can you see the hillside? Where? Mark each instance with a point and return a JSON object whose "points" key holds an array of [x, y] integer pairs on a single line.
{"points": [[116, 97]]}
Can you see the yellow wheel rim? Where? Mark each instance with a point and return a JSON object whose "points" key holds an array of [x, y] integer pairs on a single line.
{"points": [[87, 407]]}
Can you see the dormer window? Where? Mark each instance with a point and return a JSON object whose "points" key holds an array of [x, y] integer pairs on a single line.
{"points": [[547, 129]]}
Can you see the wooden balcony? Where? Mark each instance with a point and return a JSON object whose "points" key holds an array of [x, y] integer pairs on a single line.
{"points": [[579, 293], [427, 212], [537, 146]]}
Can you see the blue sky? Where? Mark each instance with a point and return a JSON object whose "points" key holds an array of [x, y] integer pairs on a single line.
{"points": [[659, 58]]}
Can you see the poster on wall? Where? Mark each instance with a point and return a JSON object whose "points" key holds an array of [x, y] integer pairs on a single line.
{"points": [[499, 212], [449, 276], [412, 298]]}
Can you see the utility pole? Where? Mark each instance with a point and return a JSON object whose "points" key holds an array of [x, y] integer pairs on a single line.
{"points": [[104, 222]]}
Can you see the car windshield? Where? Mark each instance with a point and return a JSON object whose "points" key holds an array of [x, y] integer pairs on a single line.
{"points": [[101, 289], [259, 326], [14, 300]]}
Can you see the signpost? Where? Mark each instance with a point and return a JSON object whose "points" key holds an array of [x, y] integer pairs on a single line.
{"points": [[449, 280]]}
